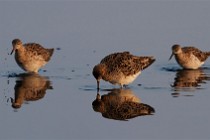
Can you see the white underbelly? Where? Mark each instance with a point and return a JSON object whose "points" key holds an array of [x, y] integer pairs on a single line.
{"points": [[192, 63], [128, 79]]}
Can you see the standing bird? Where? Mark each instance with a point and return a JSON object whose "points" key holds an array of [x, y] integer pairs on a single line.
{"points": [[189, 57], [121, 68], [31, 56]]}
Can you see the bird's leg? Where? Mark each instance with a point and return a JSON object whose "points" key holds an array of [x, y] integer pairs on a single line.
{"points": [[98, 82], [121, 86], [125, 86]]}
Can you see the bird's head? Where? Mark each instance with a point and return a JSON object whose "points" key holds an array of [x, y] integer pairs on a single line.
{"points": [[17, 44], [175, 50], [98, 72]]}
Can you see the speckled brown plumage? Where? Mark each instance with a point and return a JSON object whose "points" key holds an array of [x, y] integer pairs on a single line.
{"points": [[189, 57], [121, 67], [31, 56], [37, 49]]}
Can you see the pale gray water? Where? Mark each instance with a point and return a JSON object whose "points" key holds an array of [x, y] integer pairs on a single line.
{"points": [[84, 32]]}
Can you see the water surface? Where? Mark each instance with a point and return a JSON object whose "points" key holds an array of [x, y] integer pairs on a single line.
{"points": [[59, 104]]}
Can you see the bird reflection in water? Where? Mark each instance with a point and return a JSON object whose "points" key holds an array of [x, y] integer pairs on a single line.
{"points": [[30, 87], [121, 104], [188, 80]]}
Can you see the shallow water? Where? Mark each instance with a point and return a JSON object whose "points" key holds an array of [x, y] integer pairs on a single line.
{"points": [[57, 103]]}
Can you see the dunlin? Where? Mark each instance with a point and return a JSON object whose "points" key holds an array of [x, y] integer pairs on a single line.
{"points": [[189, 57], [31, 56], [121, 68]]}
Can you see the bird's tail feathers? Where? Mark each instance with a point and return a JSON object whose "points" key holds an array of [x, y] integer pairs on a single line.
{"points": [[146, 61], [49, 53], [208, 53]]}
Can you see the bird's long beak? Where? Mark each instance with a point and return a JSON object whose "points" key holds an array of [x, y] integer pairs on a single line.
{"points": [[171, 56], [12, 51], [98, 82]]}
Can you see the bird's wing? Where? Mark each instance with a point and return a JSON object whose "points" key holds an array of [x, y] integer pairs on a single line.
{"points": [[122, 62], [38, 51], [196, 52]]}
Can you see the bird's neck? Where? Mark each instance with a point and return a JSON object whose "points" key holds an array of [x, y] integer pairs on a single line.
{"points": [[20, 52]]}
